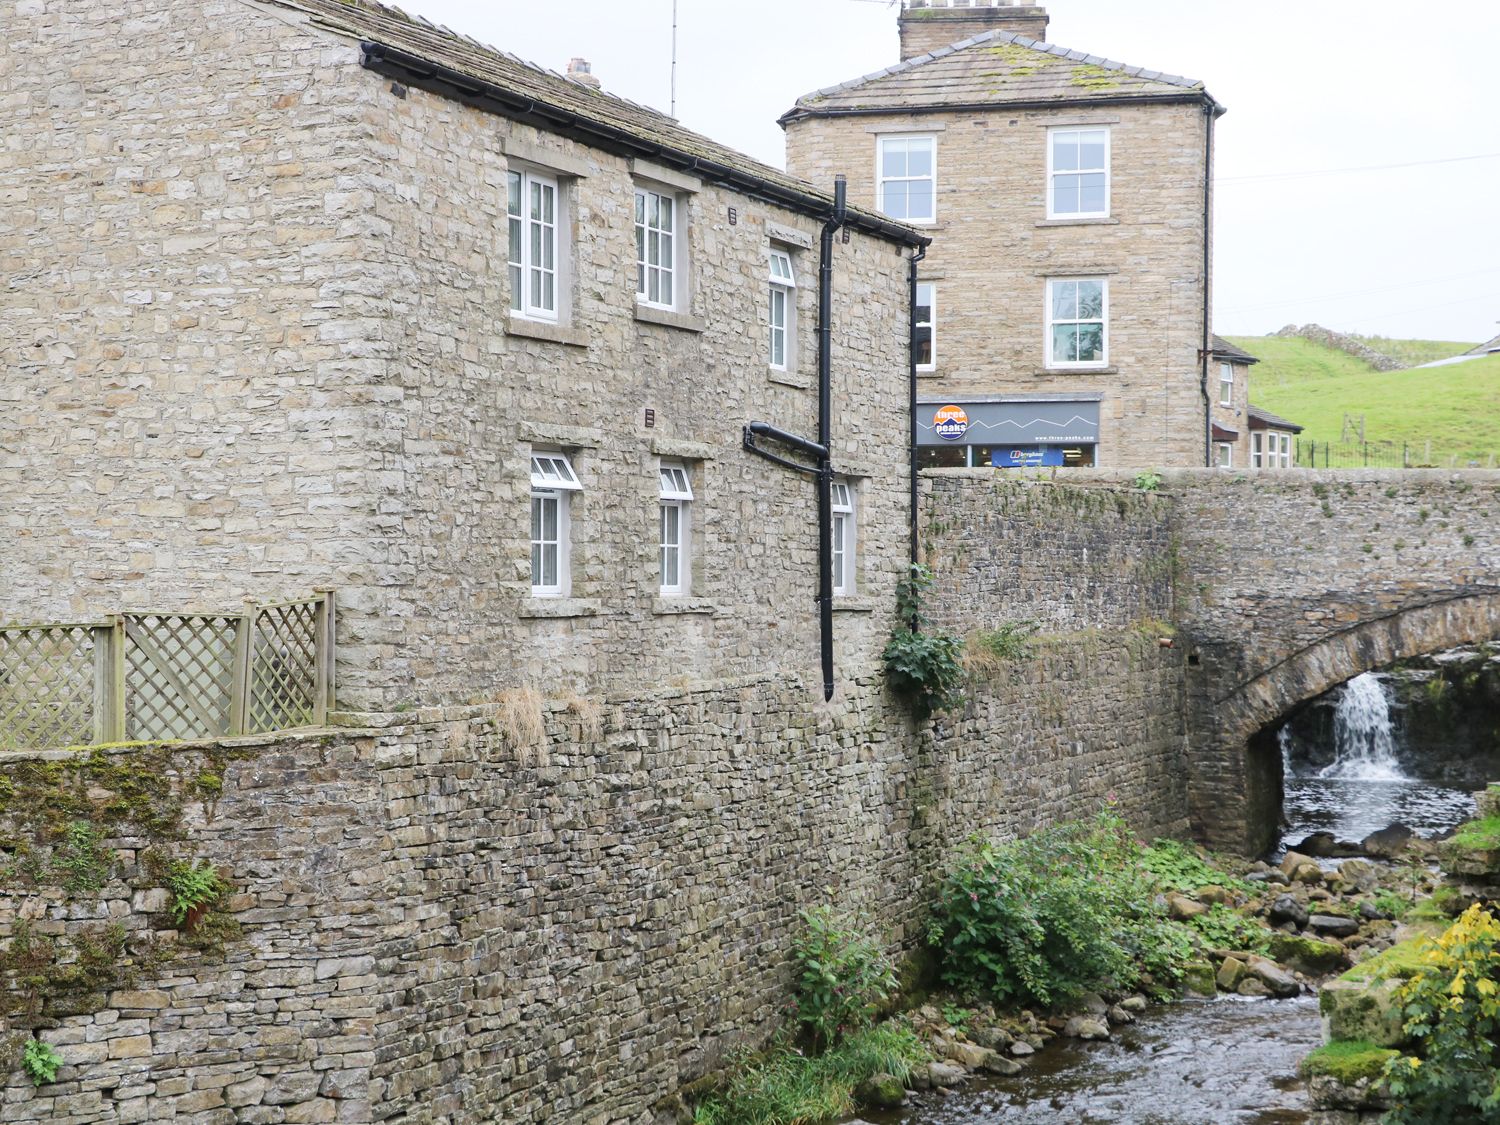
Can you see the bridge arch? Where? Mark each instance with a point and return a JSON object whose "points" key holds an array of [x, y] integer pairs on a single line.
{"points": [[1235, 786]]}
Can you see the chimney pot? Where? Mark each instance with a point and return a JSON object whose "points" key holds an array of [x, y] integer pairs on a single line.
{"points": [[926, 25], [580, 71]]}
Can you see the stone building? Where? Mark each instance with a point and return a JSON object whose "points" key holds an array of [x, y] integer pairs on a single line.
{"points": [[1229, 387], [1065, 297], [315, 294]]}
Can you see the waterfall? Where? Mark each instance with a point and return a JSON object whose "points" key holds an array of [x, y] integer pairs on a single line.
{"points": [[1364, 748]]}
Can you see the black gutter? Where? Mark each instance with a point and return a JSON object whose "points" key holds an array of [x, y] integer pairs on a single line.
{"points": [[1206, 352], [911, 417], [1187, 97], [413, 70], [825, 430]]}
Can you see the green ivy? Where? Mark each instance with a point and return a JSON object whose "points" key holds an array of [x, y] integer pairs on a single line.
{"points": [[921, 663]]}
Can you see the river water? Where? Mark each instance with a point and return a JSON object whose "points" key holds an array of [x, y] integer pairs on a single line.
{"points": [[1233, 1060]]}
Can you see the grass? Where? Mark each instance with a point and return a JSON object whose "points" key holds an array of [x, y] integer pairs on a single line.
{"points": [[1348, 1060], [1414, 353], [788, 1088], [1456, 408], [1478, 835]]}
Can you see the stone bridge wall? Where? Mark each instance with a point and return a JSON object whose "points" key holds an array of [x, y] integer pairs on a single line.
{"points": [[1290, 583], [442, 922]]}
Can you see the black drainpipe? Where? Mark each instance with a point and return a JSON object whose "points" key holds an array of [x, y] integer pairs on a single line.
{"points": [[1208, 170], [825, 428], [911, 352]]}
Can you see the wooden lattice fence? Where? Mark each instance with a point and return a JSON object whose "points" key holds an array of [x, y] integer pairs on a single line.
{"points": [[167, 676]]}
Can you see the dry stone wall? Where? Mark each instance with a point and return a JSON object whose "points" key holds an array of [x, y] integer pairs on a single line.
{"points": [[446, 918]]}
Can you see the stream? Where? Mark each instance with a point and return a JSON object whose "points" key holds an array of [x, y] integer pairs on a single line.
{"points": [[1232, 1060]]}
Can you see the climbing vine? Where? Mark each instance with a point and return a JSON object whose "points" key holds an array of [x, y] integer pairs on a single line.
{"points": [[922, 664]]}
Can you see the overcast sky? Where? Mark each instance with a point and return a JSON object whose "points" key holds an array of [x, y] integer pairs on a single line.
{"points": [[1314, 88]]}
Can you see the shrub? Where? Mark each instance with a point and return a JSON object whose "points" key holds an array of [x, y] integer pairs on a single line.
{"points": [[192, 885], [1451, 1009], [921, 663], [1062, 912], [844, 977], [40, 1062]]}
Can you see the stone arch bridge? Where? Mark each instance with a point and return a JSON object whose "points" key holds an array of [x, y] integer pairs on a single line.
{"points": [[1287, 584]]}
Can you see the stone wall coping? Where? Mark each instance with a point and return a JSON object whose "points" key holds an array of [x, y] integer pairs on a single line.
{"points": [[335, 726]]}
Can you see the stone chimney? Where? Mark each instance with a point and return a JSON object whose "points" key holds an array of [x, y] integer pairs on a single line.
{"points": [[929, 24], [580, 71]]}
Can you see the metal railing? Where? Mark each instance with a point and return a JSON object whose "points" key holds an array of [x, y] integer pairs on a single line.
{"points": [[1382, 455], [158, 676]]}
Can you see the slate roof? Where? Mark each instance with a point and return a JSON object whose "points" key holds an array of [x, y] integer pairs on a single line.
{"points": [[1225, 350], [1265, 420], [1487, 348], [995, 68], [434, 58]]}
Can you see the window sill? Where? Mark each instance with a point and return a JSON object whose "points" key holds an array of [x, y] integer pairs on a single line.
{"points": [[544, 330], [932, 373], [677, 604], [1110, 370], [1087, 221], [541, 607], [853, 603], [789, 379], [668, 318]]}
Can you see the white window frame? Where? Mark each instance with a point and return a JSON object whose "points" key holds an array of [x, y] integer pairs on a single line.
{"points": [[881, 178], [1226, 384], [1223, 454], [844, 532], [1258, 447], [930, 323], [1077, 365], [1053, 174], [676, 499], [666, 267], [553, 482], [783, 297], [528, 268]]}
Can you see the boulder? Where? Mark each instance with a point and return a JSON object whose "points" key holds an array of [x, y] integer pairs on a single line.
{"points": [[1252, 987], [1308, 955], [1293, 860], [1086, 1027], [1118, 1015], [1334, 925], [1002, 1066], [1388, 843], [1360, 874], [1281, 983], [1198, 978], [941, 1074], [1134, 1003], [1181, 908], [1214, 894], [1020, 1049], [995, 1038], [880, 1091], [1323, 845], [1288, 909], [1231, 972], [1362, 1009], [1308, 872]]}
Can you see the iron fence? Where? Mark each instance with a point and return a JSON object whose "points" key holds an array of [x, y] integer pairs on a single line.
{"points": [[154, 676], [1383, 455]]}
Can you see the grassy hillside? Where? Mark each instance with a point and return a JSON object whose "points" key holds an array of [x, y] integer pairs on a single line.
{"points": [[1457, 408]]}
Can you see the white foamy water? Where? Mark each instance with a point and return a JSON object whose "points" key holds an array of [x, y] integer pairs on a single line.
{"points": [[1364, 748]]}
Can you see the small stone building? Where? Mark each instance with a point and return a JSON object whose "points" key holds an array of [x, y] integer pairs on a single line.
{"points": [[1064, 302], [313, 294]]}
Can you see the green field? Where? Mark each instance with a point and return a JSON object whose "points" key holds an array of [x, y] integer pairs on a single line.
{"points": [[1414, 352], [1455, 408]]}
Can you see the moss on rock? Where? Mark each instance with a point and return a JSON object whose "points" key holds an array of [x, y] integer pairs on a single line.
{"points": [[1348, 1061]]}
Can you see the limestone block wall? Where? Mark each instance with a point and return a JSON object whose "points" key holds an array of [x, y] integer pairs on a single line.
{"points": [[994, 249], [453, 914]]}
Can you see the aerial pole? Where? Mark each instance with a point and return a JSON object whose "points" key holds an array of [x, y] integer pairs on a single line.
{"points": [[674, 59]]}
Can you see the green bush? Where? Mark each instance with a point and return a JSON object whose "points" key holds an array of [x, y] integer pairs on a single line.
{"points": [[921, 663], [1223, 928], [192, 885], [844, 977], [785, 1087], [1451, 1009], [1062, 912], [40, 1062], [1175, 866]]}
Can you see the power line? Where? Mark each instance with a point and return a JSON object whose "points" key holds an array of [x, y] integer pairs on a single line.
{"points": [[1351, 171]]}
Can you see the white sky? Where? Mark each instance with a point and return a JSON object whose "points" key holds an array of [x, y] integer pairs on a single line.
{"points": [[1311, 85]]}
